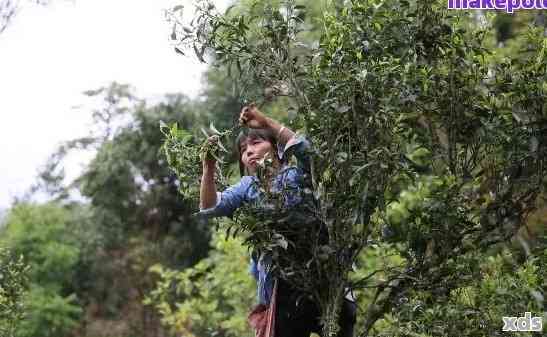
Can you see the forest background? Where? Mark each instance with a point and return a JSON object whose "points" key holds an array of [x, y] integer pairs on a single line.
{"points": [[128, 259]]}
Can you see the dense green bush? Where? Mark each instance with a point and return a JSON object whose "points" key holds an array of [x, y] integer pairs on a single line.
{"points": [[212, 298], [13, 284], [41, 234]]}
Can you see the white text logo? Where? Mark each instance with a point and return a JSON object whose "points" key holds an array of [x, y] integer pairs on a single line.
{"points": [[526, 323]]}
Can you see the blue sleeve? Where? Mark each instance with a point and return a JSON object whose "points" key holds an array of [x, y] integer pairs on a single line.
{"points": [[253, 268], [229, 200], [300, 147]]}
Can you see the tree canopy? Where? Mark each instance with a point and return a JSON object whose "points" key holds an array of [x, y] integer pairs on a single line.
{"points": [[429, 132], [427, 143]]}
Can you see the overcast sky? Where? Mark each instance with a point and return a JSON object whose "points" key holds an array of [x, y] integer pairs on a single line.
{"points": [[50, 55]]}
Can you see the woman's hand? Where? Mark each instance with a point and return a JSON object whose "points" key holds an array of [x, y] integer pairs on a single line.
{"points": [[209, 162], [251, 117]]}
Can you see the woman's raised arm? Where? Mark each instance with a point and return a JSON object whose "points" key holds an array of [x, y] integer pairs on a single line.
{"points": [[208, 189], [217, 204]]}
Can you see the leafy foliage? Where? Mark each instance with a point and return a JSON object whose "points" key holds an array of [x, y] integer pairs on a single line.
{"points": [[40, 235], [429, 167], [184, 156], [499, 288], [210, 298], [13, 285], [133, 216], [419, 131]]}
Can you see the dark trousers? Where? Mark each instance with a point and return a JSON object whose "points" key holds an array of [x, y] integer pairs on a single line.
{"points": [[298, 316]]}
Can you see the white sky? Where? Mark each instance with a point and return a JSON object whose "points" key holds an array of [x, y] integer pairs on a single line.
{"points": [[49, 55]]}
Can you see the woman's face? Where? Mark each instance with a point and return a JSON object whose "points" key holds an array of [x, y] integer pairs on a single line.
{"points": [[253, 150]]}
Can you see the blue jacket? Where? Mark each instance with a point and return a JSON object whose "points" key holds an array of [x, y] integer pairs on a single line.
{"points": [[290, 179]]}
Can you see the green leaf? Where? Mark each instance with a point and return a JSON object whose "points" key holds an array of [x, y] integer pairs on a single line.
{"points": [[281, 241], [341, 157], [212, 127], [343, 108]]}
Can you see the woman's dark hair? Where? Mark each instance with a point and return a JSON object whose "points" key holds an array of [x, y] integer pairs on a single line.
{"points": [[264, 134]]}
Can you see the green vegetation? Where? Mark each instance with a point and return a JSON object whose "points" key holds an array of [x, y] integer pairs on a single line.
{"points": [[184, 155], [13, 283], [420, 131], [211, 298], [430, 131], [40, 234]]}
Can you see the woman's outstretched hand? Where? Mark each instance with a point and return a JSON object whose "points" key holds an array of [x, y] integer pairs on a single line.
{"points": [[251, 117]]}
